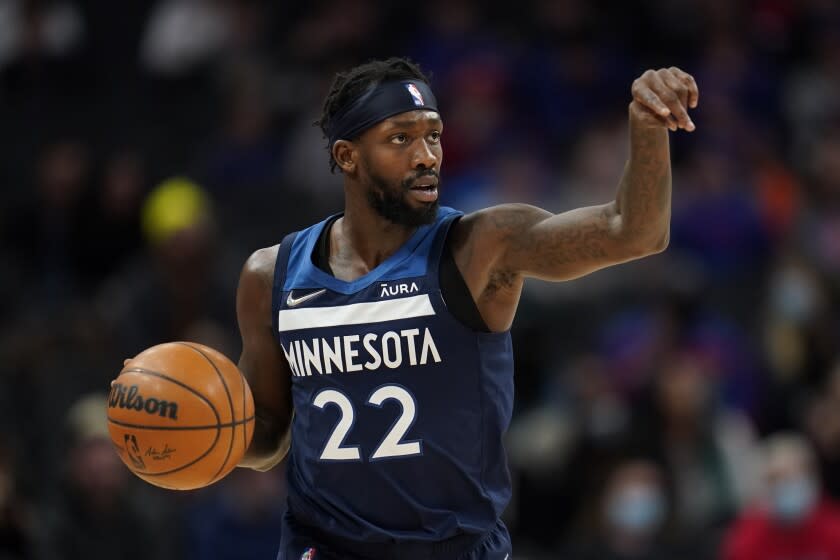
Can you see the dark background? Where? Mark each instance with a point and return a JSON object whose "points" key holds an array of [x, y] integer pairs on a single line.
{"points": [[684, 360]]}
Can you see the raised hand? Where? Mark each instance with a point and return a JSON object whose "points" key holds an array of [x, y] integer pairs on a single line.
{"points": [[662, 98]]}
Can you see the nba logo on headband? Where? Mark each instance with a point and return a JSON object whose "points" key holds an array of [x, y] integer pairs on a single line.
{"points": [[415, 94]]}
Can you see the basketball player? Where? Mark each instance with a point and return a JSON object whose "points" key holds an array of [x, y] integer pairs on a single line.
{"points": [[377, 344]]}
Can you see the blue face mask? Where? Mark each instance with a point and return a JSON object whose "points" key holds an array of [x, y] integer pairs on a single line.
{"points": [[637, 509], [793, 499]]}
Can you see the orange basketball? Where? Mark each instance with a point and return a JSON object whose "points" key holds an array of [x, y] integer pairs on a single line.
{"points": [[180, 415]]}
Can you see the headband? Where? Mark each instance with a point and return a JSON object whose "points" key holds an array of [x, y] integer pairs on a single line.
{"points": [[377, 104]]}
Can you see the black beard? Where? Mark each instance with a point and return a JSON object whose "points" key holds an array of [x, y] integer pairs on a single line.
{"points": [[392, 205]]}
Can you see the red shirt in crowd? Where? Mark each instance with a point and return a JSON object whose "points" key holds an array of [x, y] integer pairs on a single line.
{"points": [[756, 536]]}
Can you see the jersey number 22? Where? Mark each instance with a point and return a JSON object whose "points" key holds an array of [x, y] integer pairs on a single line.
{"points": [[391, 446]]}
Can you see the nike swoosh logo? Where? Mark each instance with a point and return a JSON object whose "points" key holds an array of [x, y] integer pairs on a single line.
{"points": [[294, 302]]}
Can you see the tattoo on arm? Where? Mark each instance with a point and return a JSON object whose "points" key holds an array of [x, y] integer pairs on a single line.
{"points": [[644, 197], [539, 241], [499, 280], [519, 240]]}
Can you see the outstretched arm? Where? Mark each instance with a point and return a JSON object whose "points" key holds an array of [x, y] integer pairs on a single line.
{"points": [[263, 364], [559, 247], [498, 247]]}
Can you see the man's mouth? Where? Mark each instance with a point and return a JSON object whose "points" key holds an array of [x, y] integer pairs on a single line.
{"points": [[425, 189]]}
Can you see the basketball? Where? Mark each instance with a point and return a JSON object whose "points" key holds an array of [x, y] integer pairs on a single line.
{"points": [[180, 415]]}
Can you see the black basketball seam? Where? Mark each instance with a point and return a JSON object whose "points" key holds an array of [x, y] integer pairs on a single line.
{"points": [[176, 428], [230, 403]]}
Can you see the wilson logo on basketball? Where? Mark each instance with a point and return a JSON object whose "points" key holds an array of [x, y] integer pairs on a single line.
{"points": [[130, 398]]}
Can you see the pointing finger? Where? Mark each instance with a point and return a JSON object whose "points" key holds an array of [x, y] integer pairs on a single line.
{"points": [[690, 83], [672, 98], [648, 98], [677, 86]]}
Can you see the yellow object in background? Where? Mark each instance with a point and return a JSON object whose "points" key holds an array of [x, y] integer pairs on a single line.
{"points": [[174, 205]]}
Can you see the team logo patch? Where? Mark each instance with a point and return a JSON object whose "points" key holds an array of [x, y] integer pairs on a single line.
{"points": [[415, 94], [308, 554]]}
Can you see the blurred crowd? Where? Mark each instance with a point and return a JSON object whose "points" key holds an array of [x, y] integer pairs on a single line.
{"points": [[683, 406]]}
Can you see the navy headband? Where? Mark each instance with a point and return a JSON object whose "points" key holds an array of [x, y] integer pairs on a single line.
{"points": [[377, 104]]}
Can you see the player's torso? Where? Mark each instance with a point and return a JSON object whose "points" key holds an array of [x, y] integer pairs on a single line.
{"points": [[399, 409]]}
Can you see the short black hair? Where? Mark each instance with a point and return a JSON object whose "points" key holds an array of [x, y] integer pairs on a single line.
{"points": [[350, 84]]}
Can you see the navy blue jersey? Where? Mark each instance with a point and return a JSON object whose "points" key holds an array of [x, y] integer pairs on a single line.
{"points": [[399, 408]]}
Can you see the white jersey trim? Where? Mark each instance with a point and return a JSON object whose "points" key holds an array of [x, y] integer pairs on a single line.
{"points": [[355, 313]]}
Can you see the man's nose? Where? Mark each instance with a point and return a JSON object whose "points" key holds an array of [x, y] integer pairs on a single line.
{"points": [[425, 156]]}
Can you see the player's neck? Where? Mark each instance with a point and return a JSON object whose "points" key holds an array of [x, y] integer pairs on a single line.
{"points": [[368, 236]]}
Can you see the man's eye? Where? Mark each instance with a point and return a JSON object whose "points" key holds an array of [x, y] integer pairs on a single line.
{"points": [[399, 139], [435, 136]]}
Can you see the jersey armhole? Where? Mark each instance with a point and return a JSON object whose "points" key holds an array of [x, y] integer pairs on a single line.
{"points": [[455, 292], [280, 268]]}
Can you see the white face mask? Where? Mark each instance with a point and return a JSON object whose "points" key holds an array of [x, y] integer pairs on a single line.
{"points": [[791, 500], [637, 509], [794, 296]]}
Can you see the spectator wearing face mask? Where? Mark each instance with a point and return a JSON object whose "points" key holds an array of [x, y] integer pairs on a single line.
{"points": [[633, 514], [793, 520]]}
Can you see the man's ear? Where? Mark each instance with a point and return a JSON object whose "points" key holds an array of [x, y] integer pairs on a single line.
{"points": [[344, 153]]}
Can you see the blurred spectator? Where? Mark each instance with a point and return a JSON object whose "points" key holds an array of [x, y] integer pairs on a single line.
{"points": [[798, 339], [822, 422], [95, 515], [181, 282], [634, 511], [244, 157], [820, 224], [812, 97], [183, 34], [794, 519], [708, 451], [563, 450], [111, 234], [716, 218], [38, 29], [47, 229], [241, 167], [43, 51], [777, 187]]}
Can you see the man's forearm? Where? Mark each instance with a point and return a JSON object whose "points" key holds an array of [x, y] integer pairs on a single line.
{"points": [[269, 445], [644, 195]]}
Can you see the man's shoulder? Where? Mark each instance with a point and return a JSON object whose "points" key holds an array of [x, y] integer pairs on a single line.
{"points": [[262, 261], [494, 224], [261, 264]]}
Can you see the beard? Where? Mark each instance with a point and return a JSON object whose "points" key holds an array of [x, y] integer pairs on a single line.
{"points": [[391, 202]]}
